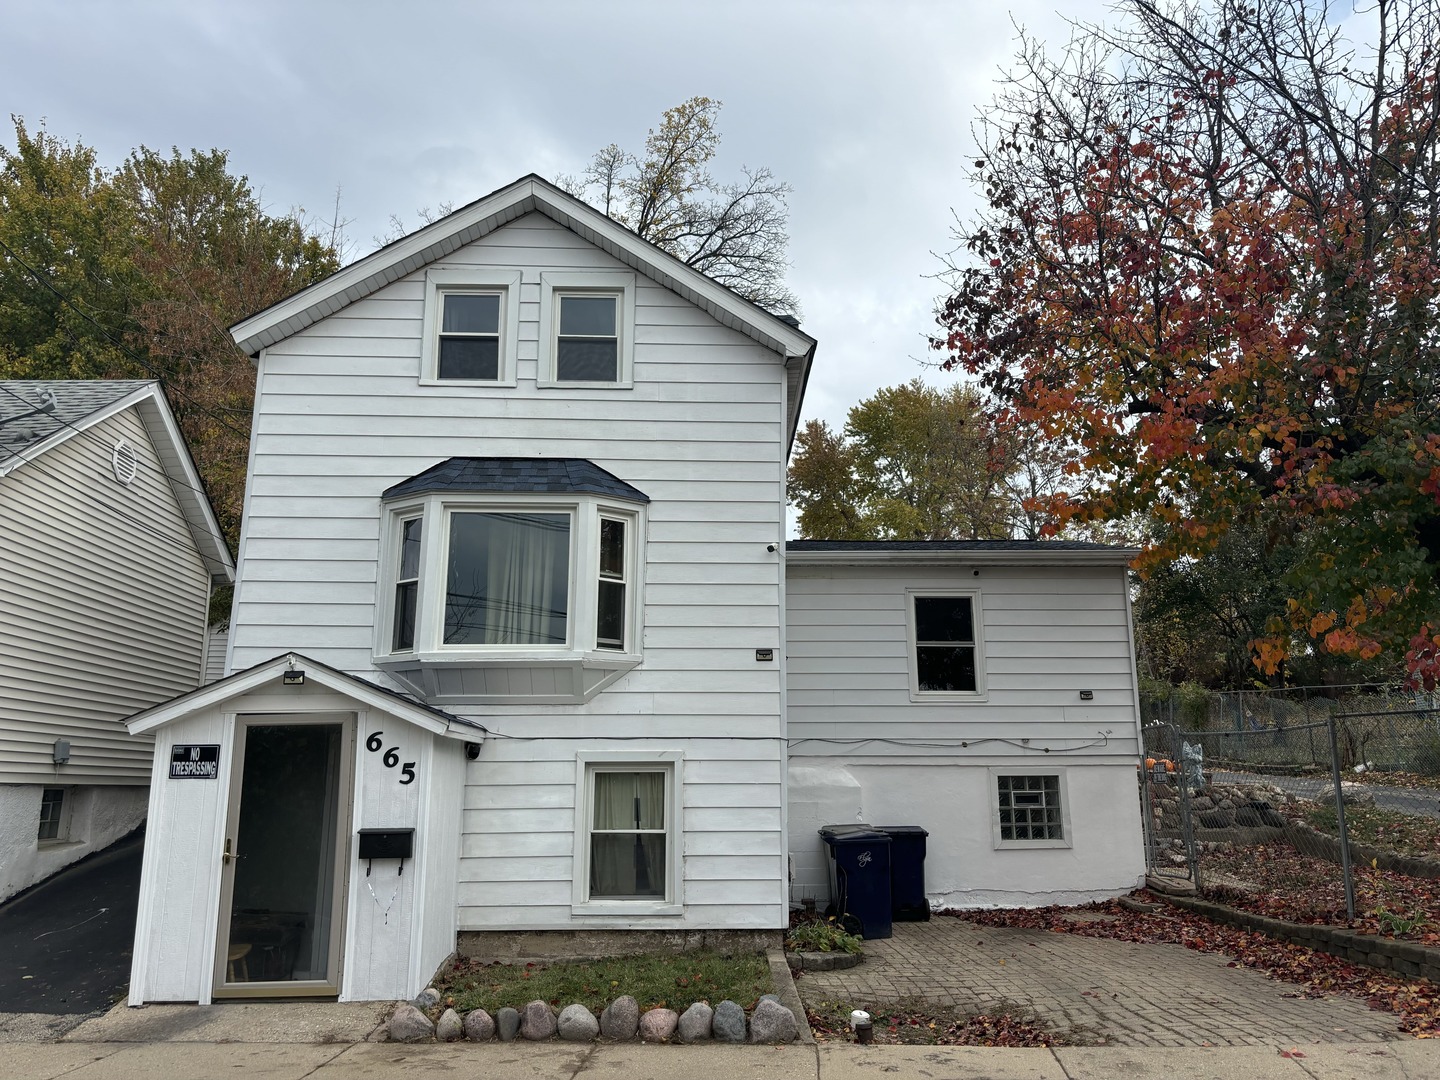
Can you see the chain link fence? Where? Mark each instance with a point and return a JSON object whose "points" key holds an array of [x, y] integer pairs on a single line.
{"points": [[1305, 807]]}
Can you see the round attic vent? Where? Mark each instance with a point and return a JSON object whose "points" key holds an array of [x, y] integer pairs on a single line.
{"points": [[124, 462]]}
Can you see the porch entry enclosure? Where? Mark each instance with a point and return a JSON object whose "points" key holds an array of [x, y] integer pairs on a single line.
{"points": [[284, 858]]}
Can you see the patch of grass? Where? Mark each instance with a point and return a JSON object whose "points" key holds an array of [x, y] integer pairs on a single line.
{"points": [[668, 980], [918, 1023], [1407, 834]]}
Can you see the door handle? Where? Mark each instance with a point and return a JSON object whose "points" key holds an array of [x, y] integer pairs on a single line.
{"points": [[227, 856]]}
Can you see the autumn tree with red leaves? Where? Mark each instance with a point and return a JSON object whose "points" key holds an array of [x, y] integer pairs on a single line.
{"points": [[1208, 256]]}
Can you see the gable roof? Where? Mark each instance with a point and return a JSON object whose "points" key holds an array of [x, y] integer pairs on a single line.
{"points": [[42, 414], [434, 720], [531, 194], [511, 475]]}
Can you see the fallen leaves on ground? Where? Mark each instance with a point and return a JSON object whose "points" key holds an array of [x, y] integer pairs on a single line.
{"points": [[915, 1023], [1415, 1001], [1284, 883]]}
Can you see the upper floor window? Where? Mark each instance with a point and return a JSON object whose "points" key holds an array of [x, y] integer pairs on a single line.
{"points": [[507, 579], [945, 657], [471, 326], [587, 328]]}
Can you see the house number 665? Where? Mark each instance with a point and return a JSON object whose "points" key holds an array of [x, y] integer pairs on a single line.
{"points": [[391, 758]]}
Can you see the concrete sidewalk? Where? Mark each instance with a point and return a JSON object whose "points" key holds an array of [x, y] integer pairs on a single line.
{"points": [[76, 1060]]}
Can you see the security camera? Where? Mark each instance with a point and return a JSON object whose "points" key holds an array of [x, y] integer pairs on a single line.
{"points": [[772, 548], [472, 751]]}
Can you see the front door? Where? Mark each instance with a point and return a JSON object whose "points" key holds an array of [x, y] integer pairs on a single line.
{"points": [[283, 866]]}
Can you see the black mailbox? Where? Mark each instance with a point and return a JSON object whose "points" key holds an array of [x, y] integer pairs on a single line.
{"points": [[387, 843]]}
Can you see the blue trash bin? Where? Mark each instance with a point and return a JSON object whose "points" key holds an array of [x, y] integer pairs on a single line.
{"points": [[908, 902], [860, 876]]}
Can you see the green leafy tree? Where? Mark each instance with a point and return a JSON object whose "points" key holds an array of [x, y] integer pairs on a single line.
{"points": [[137, 272], [733, 232], [913, 463]]}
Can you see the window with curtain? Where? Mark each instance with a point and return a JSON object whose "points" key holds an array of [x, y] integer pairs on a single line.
{"points": [[508, 579], [628, 835]]}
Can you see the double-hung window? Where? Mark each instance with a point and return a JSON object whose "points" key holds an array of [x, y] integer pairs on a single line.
{"points": [[471, 326], [610, 598], [407, 584], [587, 328], [945, 656], [626, 846]]}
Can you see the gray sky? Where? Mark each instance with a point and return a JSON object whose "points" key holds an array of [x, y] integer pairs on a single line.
{"points": [[864, 107]]}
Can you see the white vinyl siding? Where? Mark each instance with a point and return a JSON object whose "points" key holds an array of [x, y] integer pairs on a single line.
{"points": [[104, 606], [1047, 633], [341, 415]]}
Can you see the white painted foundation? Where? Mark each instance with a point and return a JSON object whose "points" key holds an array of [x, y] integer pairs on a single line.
{"points": [[98, 816], [963, 867]]}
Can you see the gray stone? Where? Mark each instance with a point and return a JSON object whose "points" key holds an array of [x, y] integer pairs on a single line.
{"points": [[449, 1028], [577, 1024], [770, 997], [427, 998], [1217, 819], [694, 1023], [479, 1027], [657, 1025], [621, 1019], [729, 1022], [772, 1022], [537, 1021], [409, 1024], [507, 1024]]}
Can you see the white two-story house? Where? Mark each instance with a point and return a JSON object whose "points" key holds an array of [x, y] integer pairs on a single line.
{"points": [[508, 652]]}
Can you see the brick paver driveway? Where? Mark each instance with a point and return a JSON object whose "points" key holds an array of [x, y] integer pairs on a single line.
{"points": [[1127, 994]]}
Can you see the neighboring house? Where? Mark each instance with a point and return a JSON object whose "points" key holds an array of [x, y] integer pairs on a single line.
{"points": [[507, 652], [108, 552]]}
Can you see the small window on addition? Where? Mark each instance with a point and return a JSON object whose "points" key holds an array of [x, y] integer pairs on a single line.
{"points": [[52, 814], [944, 644], [587, 346], [1030, 808], [470, 336]]}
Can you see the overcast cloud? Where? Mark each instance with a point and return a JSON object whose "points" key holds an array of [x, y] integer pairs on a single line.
{"points": [[865, 108]]}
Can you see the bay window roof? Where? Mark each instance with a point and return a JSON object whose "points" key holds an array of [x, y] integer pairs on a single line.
{"points": [[513, 476]]}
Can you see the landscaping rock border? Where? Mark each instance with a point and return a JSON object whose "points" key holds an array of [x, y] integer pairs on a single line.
{"points": [[1327, 847], [1385, 954], [822, 961], [778, 1018]]}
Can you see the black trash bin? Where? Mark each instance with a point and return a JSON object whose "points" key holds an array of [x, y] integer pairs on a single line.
{"points": [[860, 875], [907, 872]]}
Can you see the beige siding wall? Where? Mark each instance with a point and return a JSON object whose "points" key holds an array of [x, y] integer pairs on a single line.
{"points": [[102, 608]]}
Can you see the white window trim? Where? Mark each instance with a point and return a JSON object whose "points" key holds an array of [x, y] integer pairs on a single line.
{"points": [[587, 763], [1034, 770], [977, 619], [585, 512], [438, 282], [618, 283]]}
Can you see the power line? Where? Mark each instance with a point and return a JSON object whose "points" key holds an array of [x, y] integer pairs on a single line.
{"points": [[120, 345]]}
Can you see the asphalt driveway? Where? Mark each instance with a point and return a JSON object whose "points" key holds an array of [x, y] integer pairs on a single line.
{"points": [[65, 945]]}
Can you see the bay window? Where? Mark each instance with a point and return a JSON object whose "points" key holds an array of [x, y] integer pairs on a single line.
{"points": [[510, 596]]}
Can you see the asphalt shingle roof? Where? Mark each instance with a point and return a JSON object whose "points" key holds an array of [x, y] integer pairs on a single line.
{"points": [[75, 399], [510, 476]]}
